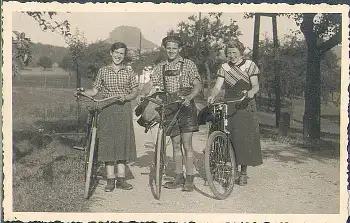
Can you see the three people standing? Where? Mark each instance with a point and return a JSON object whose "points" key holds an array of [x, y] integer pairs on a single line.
{"points": [[180, 77]]}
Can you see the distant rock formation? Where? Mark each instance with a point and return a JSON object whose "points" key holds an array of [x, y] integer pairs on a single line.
{"points": [[131, 37]]}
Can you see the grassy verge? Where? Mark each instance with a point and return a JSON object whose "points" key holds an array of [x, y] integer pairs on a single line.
{"points": [[47, 173]]}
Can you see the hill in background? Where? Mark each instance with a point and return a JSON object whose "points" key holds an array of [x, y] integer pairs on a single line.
{"points": [[55, 53], [131, 37]]}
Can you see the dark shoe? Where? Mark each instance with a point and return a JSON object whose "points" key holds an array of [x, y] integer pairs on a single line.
{"points": [[110, 185], [188, 186], [122, 184], [243, 180], [177, 183]]}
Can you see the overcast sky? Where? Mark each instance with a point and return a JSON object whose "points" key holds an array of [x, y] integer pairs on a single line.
{"points": [[154, 25]]}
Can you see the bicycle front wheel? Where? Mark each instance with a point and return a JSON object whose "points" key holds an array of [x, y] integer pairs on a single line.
{"points": [[220, 164], [159, 162], [90, 164]]}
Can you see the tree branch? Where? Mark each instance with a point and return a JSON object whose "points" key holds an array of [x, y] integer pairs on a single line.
{"points": [[330, 43]]}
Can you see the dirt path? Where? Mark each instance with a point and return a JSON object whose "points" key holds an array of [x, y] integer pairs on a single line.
{"points": [[291, 180]]}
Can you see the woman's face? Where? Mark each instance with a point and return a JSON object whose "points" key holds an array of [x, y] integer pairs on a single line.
{"points": [[118, 56], [233, 55]]}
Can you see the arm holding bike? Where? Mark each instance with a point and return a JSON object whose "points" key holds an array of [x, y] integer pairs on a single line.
{"points": [[216, 89]]}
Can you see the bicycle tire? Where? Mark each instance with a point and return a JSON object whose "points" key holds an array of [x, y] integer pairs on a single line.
{"points": [[91, 165], [159, 162], [220, 171]]}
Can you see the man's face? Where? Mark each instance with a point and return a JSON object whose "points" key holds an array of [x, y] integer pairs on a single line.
{"points": [[173, 50], [118, 56]]}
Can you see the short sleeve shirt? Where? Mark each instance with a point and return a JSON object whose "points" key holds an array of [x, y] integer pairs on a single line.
{"points": [[184, 79], [113, 82], [248, 67]]}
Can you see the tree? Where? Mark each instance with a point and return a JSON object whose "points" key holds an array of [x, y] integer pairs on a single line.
{"points": [[322, 32], [66, 63], [45, 62], [21, 53], [204, 38], [77, 45], [95, 56], [293, 55]]}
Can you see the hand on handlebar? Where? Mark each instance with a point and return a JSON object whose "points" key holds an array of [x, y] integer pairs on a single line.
{"points": [[187, 101], [211, 100]]}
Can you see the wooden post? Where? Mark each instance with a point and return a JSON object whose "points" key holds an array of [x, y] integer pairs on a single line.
{"points": [[256, 38], [276, 71]]}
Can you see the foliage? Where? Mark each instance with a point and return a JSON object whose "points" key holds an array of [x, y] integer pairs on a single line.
{"points": [[46, 22], [148, 58], [95, 56], [21, 53], [292, 55], [66, 63], [45, 62], [204, 39], [77, 45]]}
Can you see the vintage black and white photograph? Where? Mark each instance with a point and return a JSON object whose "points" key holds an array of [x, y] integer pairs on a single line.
{"points": [[173, 109]]}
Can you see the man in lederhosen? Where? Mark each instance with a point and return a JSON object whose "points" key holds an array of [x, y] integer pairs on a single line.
{"points": [[181, 78]]}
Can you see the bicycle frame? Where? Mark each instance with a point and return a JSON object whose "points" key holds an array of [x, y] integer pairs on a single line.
{"points": [[161, 142], [91, 157], [220, 111]]}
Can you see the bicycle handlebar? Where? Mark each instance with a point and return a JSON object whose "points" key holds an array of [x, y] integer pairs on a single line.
{"points": [[231, 101], [81, 93], [160, 103]]}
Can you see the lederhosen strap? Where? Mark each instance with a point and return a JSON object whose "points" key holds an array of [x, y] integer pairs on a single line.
{"points": [[164, 84]]}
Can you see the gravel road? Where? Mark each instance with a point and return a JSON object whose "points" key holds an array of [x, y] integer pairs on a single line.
{"points": [[292, 180]]}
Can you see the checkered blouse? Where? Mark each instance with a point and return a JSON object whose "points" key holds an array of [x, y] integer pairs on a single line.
{"points": [[115, 83], [181, 80]]}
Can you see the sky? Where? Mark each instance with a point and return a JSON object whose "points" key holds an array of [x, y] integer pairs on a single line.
{"points": [[153, 25]]}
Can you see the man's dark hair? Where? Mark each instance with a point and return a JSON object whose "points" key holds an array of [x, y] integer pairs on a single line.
{"points": [[119, 45]]}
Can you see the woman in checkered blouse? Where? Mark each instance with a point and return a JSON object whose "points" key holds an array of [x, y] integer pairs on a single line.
{"points": [[116, 131]]}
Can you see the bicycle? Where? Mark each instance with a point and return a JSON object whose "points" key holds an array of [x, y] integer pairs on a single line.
{"points": [[90, 143], [220, 160], [160, 145]]}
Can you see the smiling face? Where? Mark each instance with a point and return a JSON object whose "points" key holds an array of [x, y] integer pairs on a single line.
{"points": [[173, 50], [118, 55], [233, 55]]}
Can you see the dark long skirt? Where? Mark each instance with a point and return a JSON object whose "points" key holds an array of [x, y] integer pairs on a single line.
{"points": [[116, 134], [245, 135]]}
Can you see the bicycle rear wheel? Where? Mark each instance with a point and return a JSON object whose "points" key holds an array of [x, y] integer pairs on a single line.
{"points": [[159, 162], [91, 164], [220, 164]]}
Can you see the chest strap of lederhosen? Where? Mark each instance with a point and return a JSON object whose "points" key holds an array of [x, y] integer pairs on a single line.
{"points": [[164, 84]]}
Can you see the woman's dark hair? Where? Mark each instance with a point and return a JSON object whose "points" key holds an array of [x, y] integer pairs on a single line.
{"points": [[118, 45], [235, 43]]}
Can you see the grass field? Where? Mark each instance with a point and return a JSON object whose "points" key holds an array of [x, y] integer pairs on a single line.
{"points": [[47, 172]]}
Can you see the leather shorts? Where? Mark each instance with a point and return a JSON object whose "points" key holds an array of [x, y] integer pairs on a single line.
{"points": [[186, 120]]}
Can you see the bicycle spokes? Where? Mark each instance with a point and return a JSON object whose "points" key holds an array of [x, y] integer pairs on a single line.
{"points": [[220, 166]]}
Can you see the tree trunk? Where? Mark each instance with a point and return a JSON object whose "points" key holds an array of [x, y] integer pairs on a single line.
{"points": [[208, 78], [312, 125]]}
